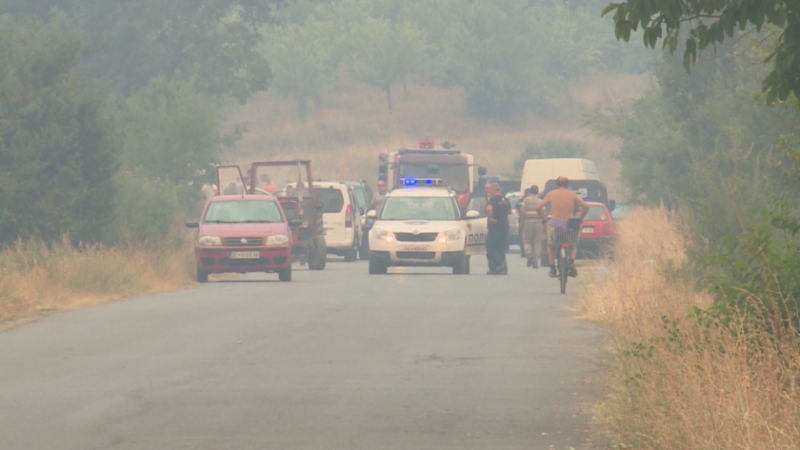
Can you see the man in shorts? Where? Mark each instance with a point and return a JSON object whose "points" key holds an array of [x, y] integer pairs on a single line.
{"points": [[563, 204]]}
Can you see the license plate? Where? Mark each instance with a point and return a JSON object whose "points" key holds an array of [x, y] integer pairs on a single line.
{"points": [[587, 230], [245, 255], [415, 249]]}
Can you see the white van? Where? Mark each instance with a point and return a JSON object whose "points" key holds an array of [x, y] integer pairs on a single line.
{"points": [[539, 171], [340, 218]]}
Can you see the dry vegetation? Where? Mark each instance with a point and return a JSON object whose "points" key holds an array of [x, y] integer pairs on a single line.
{"points": [[685, 384], [37, 279], [347, 130]]}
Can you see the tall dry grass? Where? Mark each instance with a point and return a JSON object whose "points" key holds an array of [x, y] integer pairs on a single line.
{"points": [[347, 130], [35, 278], [685, 383]]}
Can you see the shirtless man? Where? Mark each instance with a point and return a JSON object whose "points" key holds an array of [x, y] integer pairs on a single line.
{"points": [[562, 203]]}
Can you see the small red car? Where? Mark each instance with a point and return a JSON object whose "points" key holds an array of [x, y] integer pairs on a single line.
{"points": [[598, 233], [243, 233]]}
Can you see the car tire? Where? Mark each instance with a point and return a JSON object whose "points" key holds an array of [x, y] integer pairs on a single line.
{"points": [[461, 266], [285, 275], [377, 267], [319, 257], [351, 254], [202, 275]]}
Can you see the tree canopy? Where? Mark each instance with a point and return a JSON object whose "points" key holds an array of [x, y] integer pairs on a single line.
{"points": [[710, 22]]}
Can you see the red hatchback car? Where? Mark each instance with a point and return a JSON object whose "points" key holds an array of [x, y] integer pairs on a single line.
{"points": [[598, 233], [240, 234]]}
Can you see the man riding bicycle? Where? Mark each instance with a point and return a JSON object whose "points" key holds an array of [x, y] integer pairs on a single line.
{"points": [[563, 204]]}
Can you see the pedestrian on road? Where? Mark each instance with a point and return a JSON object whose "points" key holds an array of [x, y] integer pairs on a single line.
{"points": [[497, 212], [519, 222], [379, 196], [532, 227]]}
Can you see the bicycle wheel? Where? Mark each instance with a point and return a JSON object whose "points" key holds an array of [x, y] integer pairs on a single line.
{"points": [[563, 269]]}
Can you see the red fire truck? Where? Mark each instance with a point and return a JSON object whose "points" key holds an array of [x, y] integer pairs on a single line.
{"points": [[454, 167]]}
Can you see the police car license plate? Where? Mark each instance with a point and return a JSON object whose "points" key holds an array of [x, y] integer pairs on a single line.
{"points": [[587, 230], [415, 249], [244, 255]]}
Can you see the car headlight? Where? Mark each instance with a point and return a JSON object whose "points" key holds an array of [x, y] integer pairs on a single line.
{"points": [[278, 239], [383, 235], [210, 241], [453, 235]]}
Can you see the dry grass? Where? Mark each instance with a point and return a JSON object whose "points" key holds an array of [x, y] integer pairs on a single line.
{"points": [[685, 384], [37, 279], [345, 133]]}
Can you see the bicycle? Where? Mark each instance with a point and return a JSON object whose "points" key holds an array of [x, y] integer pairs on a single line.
{"points": [[565, 238]]}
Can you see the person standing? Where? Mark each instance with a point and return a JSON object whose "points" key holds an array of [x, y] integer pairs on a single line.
{"points": [[497, 212], [379, 196], [532, 226], [518, 207]]}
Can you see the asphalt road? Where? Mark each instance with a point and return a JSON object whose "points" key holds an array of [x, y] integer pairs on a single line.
{"points": [[417, 359]]}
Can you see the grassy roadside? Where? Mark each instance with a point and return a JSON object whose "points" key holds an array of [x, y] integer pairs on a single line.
{"points": [[685, 384], [36, 279]]}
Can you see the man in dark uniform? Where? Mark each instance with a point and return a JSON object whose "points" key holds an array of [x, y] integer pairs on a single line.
{"points": [[497, 239]]}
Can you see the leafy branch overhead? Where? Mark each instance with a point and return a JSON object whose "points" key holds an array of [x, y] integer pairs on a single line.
{"points": [[710, 22]]}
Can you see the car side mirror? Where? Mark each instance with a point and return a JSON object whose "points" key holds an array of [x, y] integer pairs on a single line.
{"points": [[192, 225], [472, 214], [612, 205], [295, 223], [372, 214]]}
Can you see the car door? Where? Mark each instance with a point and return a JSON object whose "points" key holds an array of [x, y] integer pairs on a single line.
{"points": [[334, 200], [230, 180], [476, 229]]}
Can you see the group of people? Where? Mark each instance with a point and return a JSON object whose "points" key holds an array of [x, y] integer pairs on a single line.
{"points": [[563, 204]]}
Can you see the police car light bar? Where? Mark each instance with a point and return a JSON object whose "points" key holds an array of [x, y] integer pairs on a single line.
{"points": [[409, 182]]}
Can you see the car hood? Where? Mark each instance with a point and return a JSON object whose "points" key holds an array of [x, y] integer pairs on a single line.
{"points": [[422, 226], [227, 230]]}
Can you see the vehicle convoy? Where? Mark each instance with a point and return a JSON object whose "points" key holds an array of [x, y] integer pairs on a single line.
{"points": [[300, 202], [454, 167], [243, 233], [424, 226]]}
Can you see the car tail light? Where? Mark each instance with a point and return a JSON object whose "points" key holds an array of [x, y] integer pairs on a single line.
{"points": [[463, 200], [348, 223]]}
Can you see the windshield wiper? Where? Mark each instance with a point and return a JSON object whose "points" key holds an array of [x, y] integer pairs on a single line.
{"points": [[257, 221], [218, 221]]}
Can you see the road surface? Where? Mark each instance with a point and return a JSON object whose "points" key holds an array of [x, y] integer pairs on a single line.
{"points": [[417, 359]]}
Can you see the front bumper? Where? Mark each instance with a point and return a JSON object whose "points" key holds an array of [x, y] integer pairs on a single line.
{"points": [[417, 258], [217, 259]]}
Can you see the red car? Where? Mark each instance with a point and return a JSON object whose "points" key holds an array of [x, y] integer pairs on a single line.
{"points": [[240, 234], [598, 234]]}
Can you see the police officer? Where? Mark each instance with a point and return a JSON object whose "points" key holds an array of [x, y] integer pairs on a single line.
{"points": [[497, 212]]}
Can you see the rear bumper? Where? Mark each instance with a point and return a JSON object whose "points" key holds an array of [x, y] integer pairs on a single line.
{"points": [[218, 260]]}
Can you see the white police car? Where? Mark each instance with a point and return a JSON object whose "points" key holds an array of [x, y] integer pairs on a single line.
{"points": [[420, 224]]}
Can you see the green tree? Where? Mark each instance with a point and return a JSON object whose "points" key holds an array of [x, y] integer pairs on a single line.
{"points": [[58, 140], [131, 41], [710, 21], [170, 132], [386, 54], [301, 59]]}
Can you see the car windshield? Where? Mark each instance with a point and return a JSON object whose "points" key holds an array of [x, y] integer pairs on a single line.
{"points": [[243, 211], [456, 176], [419, 208], [332, 200], [596, 214]]}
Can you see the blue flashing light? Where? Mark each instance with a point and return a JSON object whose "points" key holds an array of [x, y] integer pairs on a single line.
{"points": [[410, 182]]}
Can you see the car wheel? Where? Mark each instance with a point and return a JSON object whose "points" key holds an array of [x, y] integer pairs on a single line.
{"points": [[319, 254], [202, 275], [461, 266], [377, 267], [352, 253], [285, 274]]}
